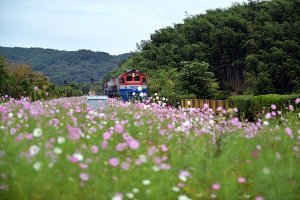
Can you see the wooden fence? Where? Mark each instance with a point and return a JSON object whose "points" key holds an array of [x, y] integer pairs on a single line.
{"points": [[199, 103]]}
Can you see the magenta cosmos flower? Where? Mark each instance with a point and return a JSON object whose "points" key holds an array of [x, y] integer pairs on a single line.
{"points": [[215, 186], [113, 161], [119, 128]]}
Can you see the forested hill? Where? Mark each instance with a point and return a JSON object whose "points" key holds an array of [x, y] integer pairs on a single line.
{"points": [[74, 66], [252, 47]]}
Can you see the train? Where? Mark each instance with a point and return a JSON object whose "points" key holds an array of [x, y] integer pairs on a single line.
{"points": [[130, 85]]}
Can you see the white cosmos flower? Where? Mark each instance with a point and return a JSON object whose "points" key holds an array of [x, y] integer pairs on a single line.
{"points": [[182, 177], [61, 140], [266, 171], [33, 150], [130, 195], [37, 165], [143, 158], [78, 156], [57, 150], [175, 189], [146, 182], [183, 197], [266, 123], [155, 168], [20, 116], [10, 115], [117, 197], [37, 132], [135, 190]]}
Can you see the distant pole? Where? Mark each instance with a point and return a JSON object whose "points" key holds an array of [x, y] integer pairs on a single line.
{"points": [[65, 82], [92, 86]]}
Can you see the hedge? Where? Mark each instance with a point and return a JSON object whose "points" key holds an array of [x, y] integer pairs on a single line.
{"points": [[249, 106]]}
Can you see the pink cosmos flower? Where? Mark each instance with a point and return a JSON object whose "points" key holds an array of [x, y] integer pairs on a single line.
{"points": [[273, 106], [183, 175], [121, 146], [119, 128], [36, 88], [297, 101], [164, 166], [205, 106], [73, 159], [106, 135], [113, 161], [151, 150], [133, 143], [268, 116], [170, 126], [104, 144], [180, 185], [74, 133], [291, 107], [47, 94], [84, 176], [83, 165], [164, 148], [255, 153], [216, 186], [13, 131], [241, 180], [289, 132], [94, 149], [29, 136], [125, 165]]}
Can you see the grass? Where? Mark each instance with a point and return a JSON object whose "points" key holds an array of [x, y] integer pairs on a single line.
{"points": [[178, 154]]}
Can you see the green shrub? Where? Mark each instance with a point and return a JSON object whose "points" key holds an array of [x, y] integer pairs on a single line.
{"points": [[187, 96], [249, 106]]}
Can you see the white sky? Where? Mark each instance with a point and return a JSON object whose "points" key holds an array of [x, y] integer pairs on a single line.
{"points": [[113, 26]]}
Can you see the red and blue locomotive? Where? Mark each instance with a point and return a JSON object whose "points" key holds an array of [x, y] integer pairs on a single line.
{"points": [[129, 85]]}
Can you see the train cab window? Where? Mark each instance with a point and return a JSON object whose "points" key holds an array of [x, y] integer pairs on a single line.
{"points": [[137, 78], [144, 80], [122, 80], [129, 78]]}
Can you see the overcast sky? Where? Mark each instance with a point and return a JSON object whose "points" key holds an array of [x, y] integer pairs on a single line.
{"points": [[113, 26]]}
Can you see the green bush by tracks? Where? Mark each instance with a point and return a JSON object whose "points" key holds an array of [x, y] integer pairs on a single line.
{"points": [[249, 106]]}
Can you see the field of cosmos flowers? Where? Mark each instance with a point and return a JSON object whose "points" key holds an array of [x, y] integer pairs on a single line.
{"points": [[61, 149]]}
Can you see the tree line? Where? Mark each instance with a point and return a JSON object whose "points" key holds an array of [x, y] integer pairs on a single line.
{"points": [[19, 80], [248, 48], [74, 66]]}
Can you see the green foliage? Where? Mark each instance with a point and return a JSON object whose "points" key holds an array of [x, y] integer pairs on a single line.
{"points": [[4, 78], [187, 96], [17, 80], [250, 47], [74, 66], [165, 82], [196, 79], [249, 106], [181, 155]]}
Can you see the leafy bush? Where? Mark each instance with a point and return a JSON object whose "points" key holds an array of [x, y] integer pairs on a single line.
{"points": [[187, 96], [249, 106]]}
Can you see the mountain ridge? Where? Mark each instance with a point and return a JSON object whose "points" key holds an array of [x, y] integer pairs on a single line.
{"points": [[59, 65]]}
